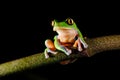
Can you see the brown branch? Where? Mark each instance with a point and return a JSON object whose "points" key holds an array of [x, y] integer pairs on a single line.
{"points": [[96, 45], [105, 43]]}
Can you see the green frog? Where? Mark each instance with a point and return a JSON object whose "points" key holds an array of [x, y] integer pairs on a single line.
{"points": [[69, 37]]}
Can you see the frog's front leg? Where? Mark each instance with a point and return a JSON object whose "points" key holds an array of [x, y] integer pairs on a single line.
{"points": [[50, 48]]}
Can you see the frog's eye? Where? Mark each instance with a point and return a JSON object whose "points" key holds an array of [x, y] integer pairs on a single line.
{"points": [[69, 21], [52, 23]]}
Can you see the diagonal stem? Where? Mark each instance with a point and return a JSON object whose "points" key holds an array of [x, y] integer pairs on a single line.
{"points": [[96, 45]]}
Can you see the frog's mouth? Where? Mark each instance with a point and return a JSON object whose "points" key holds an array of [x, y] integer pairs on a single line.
{"points": [[60, 28]]}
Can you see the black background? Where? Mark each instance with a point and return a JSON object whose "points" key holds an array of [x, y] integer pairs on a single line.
{"points": [[25, 28]]}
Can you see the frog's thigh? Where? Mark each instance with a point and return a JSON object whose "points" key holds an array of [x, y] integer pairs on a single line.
{"points": [[49, 44]]}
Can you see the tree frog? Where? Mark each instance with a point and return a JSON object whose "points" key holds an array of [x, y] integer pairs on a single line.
{"points": [[69, 37]]}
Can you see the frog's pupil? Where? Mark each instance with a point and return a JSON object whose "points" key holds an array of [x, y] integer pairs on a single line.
{"points": [[69, 21]]}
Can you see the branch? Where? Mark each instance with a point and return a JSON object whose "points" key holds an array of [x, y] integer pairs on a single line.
{"points": [[96, 45]]}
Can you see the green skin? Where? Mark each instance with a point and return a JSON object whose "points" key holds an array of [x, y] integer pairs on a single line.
{"points": [[67, 32]]}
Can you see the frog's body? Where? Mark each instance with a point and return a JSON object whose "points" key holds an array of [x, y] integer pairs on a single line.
{"points": [[69, 36]]}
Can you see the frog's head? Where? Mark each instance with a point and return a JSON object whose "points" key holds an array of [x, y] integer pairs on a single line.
{"points": [[66, 24]]}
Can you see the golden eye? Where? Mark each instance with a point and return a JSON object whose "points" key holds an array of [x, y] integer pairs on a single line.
{"points": [[69, 21]]}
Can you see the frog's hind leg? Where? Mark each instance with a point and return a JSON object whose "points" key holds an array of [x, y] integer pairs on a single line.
{"points": [[82, 46], [50, 48], [78, 45], [61, 47]]}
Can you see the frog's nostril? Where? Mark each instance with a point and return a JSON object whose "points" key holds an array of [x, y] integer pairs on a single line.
{"points": [[52, 23]]}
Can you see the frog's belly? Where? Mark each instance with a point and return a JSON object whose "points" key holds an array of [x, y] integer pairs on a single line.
{"points": [[67, 38]]}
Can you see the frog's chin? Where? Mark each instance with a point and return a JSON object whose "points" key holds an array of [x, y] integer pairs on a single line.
{"points": [[60, 28]]}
